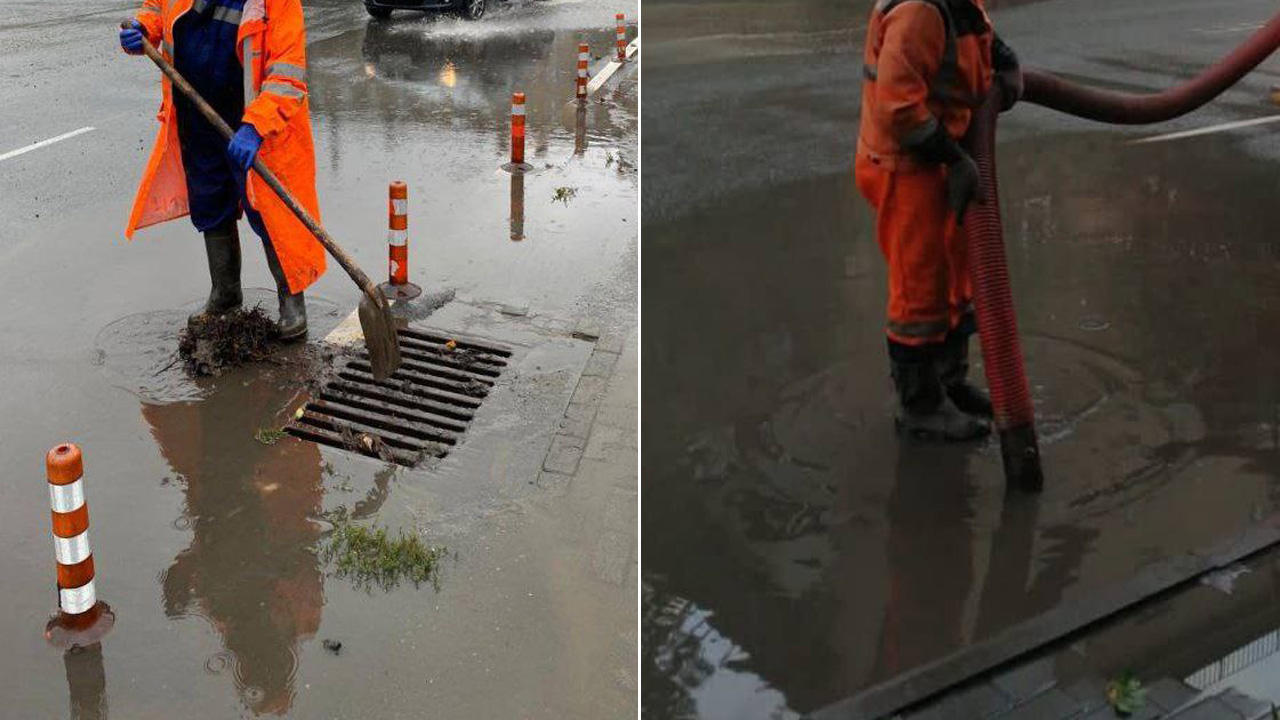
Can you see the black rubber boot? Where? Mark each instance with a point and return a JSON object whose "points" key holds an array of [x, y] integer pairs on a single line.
{"points": [[293, 307], [953, 368], [222, 246], [924, 410]]}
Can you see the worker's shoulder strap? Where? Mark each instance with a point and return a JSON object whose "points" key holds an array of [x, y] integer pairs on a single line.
{"points": [[963, 18], [948, 67], [947, 85]]}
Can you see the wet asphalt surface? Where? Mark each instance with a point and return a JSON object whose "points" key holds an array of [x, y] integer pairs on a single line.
{"points": [[205, 539], [795, 550]]}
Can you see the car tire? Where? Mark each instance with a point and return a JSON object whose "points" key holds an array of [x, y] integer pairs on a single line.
{"points": [[379, 13], [472, 9]]}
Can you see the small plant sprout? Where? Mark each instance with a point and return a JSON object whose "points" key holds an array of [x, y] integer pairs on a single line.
{"points": [[1126, 695], [268, 436], [564, 195]]}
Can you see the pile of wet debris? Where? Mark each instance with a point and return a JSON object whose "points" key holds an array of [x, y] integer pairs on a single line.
{"points": [[211, 344]]}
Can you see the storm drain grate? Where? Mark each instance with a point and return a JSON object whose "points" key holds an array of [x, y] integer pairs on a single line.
{"points": [[421, 411]]}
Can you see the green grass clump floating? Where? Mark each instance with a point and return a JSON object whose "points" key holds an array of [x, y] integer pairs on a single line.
{"points": [[371, 557]]}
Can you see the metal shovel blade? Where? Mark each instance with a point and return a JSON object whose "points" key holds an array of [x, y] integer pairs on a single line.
{"points": [[379, 336]]}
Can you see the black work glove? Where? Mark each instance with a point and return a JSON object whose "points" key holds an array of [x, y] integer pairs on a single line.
{"points": [[964, 181], [1008, 72], [964, 185]]}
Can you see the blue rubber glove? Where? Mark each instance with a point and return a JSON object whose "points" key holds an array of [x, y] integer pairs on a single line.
{"points": [[244, 147], [131, 38]]}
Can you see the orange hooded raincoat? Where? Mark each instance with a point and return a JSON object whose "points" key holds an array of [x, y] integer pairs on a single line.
{"points": [[271, 45]]}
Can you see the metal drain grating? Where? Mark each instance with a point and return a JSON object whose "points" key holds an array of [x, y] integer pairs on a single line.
{"points": [[421, 411]]}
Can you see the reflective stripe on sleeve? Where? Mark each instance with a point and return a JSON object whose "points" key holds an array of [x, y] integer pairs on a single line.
{"points": [[247, 49], [283, 90], [289, 70]]}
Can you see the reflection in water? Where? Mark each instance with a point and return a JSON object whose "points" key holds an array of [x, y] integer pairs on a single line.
{"points": [[517, 206], [251, 569], [928, 548], [580, 129], [424, 77], [699, 668], [87, 681], [449, 74], [937, 600]]}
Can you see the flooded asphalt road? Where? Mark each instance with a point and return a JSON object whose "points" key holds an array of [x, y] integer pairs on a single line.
{"points": [[206, 540], [795, 550]]}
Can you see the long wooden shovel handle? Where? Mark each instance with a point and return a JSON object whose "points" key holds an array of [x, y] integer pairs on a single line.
{"points": [[269, 177]]}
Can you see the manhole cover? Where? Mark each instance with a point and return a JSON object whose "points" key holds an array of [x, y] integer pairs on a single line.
{"points": [[420, 412]]}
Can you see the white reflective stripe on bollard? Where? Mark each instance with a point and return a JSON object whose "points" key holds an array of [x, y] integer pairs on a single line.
{"points": [[517, 109], [66, 498], [399, 206], [77, 600], [399, 237], [72, 550]]}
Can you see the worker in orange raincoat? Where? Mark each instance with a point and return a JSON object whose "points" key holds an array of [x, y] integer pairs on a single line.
{"points": [[928, 65], [247, 58]]}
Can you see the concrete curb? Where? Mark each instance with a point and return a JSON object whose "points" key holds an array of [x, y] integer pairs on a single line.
{"points": [[599, 79]]}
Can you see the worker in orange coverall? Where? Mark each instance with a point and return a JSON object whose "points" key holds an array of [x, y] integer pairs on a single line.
{"points": [[928, 65]]}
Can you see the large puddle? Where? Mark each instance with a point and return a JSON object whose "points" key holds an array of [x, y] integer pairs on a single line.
{"points": [[785, 521]]}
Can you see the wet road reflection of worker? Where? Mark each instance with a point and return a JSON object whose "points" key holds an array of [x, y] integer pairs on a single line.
{"points": [[930, 558], [251, 567], [935, 522]]}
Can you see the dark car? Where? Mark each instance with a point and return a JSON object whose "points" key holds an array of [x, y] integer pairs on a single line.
{"points": [[470, 9]]}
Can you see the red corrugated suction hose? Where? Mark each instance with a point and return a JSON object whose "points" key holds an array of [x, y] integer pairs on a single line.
{"points": [[993, 304], [1121, 108], [988, 267]]}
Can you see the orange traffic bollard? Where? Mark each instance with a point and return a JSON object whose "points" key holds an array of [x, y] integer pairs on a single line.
{"points": [[82, 619], [622, 37], [398, 286], [583, 57], [517, 129]]}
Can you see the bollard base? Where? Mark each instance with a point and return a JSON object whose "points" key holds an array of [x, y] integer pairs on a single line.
{"points": [[407, 291], [85, 629], [517, 167], [1020, 454]]}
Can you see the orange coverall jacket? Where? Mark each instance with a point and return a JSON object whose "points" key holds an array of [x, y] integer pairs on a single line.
{"points": [[927, 63], [271, 45]]}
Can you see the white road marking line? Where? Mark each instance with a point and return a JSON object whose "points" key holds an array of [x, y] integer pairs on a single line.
{"points": [[44, 143], [1207, 130], [1229, 28]]}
